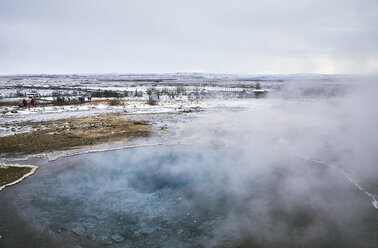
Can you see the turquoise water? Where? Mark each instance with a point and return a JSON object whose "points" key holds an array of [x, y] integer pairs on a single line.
{"points": [[191, 197]]}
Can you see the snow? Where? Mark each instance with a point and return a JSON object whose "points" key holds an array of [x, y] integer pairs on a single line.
{"points": [[223, 90]]}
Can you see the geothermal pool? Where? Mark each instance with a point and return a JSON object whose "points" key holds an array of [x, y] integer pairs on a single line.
{"points": [[185, 196]]}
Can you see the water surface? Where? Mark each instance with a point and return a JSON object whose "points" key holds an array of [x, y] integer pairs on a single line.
{"points": [[185, 197]]}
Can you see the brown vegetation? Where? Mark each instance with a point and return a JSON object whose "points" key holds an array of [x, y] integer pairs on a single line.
{"points": [[8, 104], [63, 103], [72, 133], [9, 174]]}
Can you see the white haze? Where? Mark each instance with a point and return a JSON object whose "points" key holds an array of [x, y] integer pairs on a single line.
{"points": [[275, 135], [264, 146]]}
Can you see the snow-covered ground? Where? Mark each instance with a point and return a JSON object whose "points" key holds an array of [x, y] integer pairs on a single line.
{"points": [[76, 85], [177, 93], [12, 116]]}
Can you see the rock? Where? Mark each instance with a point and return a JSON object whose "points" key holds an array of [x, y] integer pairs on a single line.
{"points": [[107, 241], [79, 231], [147, 230], [91, 236], [88, 225], [117, 238], [132, 235]]}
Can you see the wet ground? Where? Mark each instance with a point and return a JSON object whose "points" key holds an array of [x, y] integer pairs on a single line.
{"points": [[184, 197]]}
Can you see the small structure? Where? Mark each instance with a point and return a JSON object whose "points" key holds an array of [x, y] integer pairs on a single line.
{"points": [[31, 95], [81, 99], [259, 92], [192, 96]]}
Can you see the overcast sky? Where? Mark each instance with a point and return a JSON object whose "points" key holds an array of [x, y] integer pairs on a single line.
{"points": [[220, 36]]}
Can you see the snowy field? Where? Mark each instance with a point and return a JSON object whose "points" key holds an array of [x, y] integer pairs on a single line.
{"points": [[173, 93]]}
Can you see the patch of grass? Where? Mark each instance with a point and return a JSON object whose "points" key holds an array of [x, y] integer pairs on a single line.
{"points": [[71, 133], [11, 174], [8, 104], [116, 102]]}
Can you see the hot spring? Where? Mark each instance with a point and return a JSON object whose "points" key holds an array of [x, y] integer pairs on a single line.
{"points": [[186, 196]]}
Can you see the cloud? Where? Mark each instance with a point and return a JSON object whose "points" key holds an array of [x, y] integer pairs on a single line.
{"points": [[211, 36]]}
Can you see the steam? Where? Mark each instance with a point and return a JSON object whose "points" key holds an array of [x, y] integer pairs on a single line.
{"points": [[278, 172], [303, 149]]}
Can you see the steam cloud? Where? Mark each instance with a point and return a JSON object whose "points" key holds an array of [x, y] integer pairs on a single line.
{"points": [[242, 181]]}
